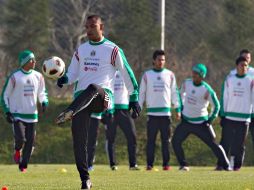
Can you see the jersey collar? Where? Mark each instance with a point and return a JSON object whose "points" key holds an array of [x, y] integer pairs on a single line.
{"points": [[26, 72], [97, 43]]}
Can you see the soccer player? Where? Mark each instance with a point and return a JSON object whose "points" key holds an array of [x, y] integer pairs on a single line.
{"points": [[159, 89], [123, 119], [247, 55], [196, 96], [236, 107], [19, 101], [92, 69]]}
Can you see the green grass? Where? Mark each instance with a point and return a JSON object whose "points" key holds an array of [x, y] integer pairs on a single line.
{"points": [[51, 177]]}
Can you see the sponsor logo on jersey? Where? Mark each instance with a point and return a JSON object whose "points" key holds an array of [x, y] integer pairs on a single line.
{"points": [[92, 64], [94, 69], [28, 88]]}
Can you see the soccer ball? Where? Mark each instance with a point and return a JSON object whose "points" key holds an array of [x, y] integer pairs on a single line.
{"points": [[53, 67]]}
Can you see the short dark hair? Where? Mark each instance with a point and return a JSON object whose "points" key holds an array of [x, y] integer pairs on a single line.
{"points": [[240, 59], [158, 53], [97, 17], [244, 51]]}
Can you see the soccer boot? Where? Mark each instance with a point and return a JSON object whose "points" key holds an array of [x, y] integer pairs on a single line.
{"points": [[64, 116], [86, 184], [16, 156]]}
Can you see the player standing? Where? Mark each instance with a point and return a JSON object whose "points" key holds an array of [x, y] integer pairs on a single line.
{"points": [[236, 107], [159, 89], [122, 118], [247, 55]]}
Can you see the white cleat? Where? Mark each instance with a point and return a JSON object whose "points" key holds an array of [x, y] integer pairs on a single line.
{"points": [[184, 168]]}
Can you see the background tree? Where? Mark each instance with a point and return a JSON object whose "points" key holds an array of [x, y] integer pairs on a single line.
{"points": [[137, 31], [26, 27]]}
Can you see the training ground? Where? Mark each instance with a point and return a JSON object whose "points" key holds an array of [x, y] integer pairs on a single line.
{"points": [[49, 177]]}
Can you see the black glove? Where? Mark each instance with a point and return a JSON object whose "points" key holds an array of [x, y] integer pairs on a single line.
{"points": [[9, 117], [222, 121], [44, 107], [107, 118], [62, 80], [136, 109]]}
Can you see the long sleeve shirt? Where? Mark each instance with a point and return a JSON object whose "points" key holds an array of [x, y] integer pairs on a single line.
{"points": [[196, 99], [97, 62], [121, 95], [237, 97], [20, 94], [159, 90], [250, 72]]}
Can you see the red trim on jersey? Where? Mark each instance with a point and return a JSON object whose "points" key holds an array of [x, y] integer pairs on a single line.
{"points": [[171, 80], [206, 95], [13, 81], [76, 55], [145, 78], [113, 55]]}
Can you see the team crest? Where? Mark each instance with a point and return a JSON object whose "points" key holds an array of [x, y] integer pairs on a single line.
{"points": [[28, 81], [193, 91], [158, 78], [239, 83], [93, 53]]}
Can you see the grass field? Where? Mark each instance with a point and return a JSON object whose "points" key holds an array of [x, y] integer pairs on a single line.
{"points": [[51, 177]]}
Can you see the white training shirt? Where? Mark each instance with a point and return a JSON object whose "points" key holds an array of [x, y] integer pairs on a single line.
{"points": [[196, 99], [159, 90], [97, 62], [121, 95], [20, 93], [237, 97], [250, 72]]}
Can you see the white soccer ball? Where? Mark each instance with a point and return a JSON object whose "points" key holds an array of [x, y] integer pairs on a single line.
{"points": [[53, 67]]}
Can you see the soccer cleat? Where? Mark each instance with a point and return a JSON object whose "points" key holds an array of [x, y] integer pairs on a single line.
{"points": [[149, 168], [90, 168], [23, 170], [16, 156], [64, 116], [86, 184], [221, 168], [166, 168], [134, 168], [114, 168], [184, 168]]}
